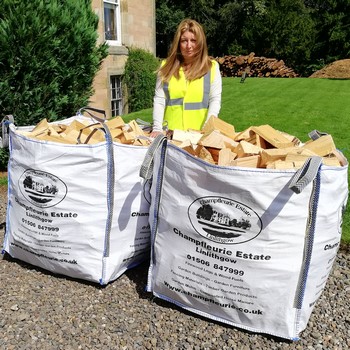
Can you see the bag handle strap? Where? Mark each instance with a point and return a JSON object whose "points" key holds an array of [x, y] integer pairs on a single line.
{"points": [[90, 134], [142, 122], [88, 109], [148, 126], [315, 134], [110, 177], [305, 174], [98, 119], [146, 169], [5, 123]]}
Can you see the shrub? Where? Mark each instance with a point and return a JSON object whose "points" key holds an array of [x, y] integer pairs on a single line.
{"points": [[140, 79], [48, 58], [4, 157]]}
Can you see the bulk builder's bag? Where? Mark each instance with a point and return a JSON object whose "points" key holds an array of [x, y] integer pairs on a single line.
{"points": [[79, 210], [251, 248]]}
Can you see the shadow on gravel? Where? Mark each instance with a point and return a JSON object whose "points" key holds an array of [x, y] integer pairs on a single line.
{"points": [[7, 257], [138, 275], [344, 248]]}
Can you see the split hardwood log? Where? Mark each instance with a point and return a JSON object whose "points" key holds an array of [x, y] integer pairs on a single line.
{"points": [[214, 140], [249, 162], [322, 146], [214, 123], [182, 135], [271, 155], [226, 156], [204, 154], [270, 136], [245, 149]]}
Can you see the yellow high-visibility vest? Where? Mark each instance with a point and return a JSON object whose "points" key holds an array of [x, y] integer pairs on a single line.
{"points": [[187, 101]]}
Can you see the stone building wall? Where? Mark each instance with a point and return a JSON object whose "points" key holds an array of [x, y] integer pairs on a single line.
{"points": [[137, 30]]}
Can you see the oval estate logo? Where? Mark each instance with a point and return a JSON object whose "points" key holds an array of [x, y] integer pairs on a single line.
{"points": [[224, 220], [42, 189]]}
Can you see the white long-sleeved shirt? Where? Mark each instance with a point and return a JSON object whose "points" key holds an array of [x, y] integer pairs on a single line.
{"points": [[159, 100]]}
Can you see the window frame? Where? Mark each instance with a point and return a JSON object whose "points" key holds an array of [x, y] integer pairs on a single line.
{"points": [[114, 86], [117, 19]]}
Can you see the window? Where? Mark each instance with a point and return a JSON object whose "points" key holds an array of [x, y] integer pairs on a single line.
{"points": [[116, 95], [112, 21]]}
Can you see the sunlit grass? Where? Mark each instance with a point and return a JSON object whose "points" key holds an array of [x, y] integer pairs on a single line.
{"points": [[3, 180]]}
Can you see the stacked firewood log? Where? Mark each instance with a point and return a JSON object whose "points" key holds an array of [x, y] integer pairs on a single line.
{"points": [[256, 147], [251, 66], [89, 132]]}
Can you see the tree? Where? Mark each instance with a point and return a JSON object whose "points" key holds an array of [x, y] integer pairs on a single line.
{"points": [[284, 30], [304, 33], [168, 16], [332, 19], [169, 13], [48, 58], [205, 212]]}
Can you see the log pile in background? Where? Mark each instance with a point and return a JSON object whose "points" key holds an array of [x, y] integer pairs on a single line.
{"points": [[251, 66]]}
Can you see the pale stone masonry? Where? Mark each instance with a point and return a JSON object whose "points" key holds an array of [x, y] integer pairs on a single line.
{"points": [[138, 29]]}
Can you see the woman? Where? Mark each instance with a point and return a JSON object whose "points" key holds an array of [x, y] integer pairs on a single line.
{"points": [[188, 88]]}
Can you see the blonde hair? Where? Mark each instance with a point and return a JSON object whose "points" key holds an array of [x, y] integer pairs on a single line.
{"points": [[201, 63]]}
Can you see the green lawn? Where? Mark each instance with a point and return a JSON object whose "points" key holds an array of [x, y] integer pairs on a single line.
{"points": [[296, 106]]}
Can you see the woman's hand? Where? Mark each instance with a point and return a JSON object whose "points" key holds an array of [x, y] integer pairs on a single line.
{"points": [[155, 133]]}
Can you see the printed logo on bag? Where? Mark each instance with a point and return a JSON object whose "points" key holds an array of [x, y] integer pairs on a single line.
{"points": [[224, 220], [42, 189]]}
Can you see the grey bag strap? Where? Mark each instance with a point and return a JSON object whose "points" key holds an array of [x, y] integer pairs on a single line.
{"points": [[88, 109], [149, 126], [315, 134], [146, 169], [305, 174], [143, 123], [4, 139], [110, 174], [98, 119]]}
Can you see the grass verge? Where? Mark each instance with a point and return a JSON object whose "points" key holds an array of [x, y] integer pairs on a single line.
{"points": [[3, 179]]}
